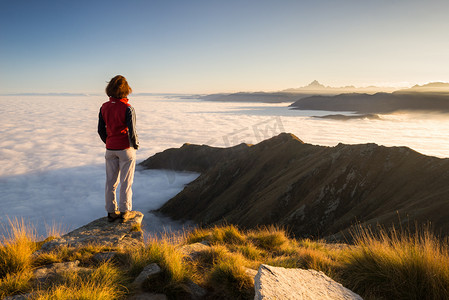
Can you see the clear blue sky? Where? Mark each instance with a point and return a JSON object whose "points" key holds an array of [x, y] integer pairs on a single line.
{"points": [[212, 46]]}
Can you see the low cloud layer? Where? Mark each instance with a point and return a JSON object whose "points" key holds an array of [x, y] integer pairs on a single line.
{"points": [[53, 160]]}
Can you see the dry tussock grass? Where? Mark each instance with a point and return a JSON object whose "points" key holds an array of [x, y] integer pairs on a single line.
{"points": [[385, 264]]}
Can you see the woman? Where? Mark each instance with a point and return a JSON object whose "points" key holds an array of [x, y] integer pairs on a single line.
{"points": [[117, 129]]}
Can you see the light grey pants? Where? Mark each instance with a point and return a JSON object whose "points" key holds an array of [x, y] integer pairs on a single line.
{"points": [[123, 163]]}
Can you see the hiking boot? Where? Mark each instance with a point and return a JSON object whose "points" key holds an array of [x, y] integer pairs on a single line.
{"points": [[113, 216], [124, 216]]}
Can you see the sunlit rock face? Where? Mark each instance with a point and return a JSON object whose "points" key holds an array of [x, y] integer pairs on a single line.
{"points": [[281, 283], [104, 233]]}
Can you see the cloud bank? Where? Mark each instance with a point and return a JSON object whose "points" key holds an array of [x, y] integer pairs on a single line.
{"points": [[53, 160]]}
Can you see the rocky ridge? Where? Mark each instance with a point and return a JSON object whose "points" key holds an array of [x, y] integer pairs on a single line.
{"points": [[104, 233], [312, 190]]}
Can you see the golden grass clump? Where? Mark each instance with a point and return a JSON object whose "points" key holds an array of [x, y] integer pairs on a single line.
{"points": [[46, 258], [104, 282], [307, 258], [229, 278], [166, 254], [169, 258], [228, 235], [251, 252], [270, 238], [16, 249], [212, 255], [17, 283], [197, 235], [83, 254], [396, 265]]}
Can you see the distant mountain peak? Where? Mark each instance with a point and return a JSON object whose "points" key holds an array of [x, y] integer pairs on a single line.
{"points": [[431, 87], [315, 85]]}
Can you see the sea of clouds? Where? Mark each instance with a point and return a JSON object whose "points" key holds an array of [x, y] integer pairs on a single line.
{"points": [[52, 160]]}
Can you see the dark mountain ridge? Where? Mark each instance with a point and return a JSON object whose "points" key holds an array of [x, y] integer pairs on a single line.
{"points": [[379, 103], [265, 97], [313, 190], [292, 94]]}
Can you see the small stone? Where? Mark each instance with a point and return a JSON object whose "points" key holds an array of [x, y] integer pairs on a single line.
{"points": [[104, 256], [151, 269], [18, 297], [196, 291], [192, 251], [148, 296]]}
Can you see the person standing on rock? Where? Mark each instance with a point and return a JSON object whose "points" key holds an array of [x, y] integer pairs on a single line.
{"points": [[117, 129]]}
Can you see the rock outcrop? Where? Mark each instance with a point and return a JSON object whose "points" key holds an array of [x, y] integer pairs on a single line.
{"points": [[150, 270], [104, 233], [48, 273], [312, 190], [193, 158], [280, 283]]}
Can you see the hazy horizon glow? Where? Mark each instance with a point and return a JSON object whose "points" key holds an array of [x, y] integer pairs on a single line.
{"points": [[220, 46]]}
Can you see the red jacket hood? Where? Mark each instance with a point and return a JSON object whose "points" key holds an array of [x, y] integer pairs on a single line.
{"points": [[124, 100]]}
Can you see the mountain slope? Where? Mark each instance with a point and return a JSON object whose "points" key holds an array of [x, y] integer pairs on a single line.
{"points": [[293, 94], [378, 103], [313, 190]]}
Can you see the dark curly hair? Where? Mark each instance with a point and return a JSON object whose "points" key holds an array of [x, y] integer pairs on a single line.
{"points": [[118, 87]]}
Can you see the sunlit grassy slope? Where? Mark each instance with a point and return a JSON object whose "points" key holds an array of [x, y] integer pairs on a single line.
{"points": [[389, 265]]}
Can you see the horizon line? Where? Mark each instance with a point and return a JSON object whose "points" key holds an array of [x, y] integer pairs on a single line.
{"points": [[306, 88]]}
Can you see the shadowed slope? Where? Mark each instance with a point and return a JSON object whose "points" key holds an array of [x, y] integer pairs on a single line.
{"points": [[314, 190], [379, 103]]}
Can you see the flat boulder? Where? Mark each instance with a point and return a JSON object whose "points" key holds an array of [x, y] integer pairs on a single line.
{"points": [[281, 283], [49, 272], [192, 251], [150, 270], [103, 233]]}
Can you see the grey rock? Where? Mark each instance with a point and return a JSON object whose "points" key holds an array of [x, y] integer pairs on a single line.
{"points": [[104, 256], [281, 283], [104, 233], [192, 251], [151, 269], [196, 291], [50, 271], [147, 296], [18, 297]]}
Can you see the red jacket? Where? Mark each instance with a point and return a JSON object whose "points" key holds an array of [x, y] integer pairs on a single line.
{"points": [[116, 124]]}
